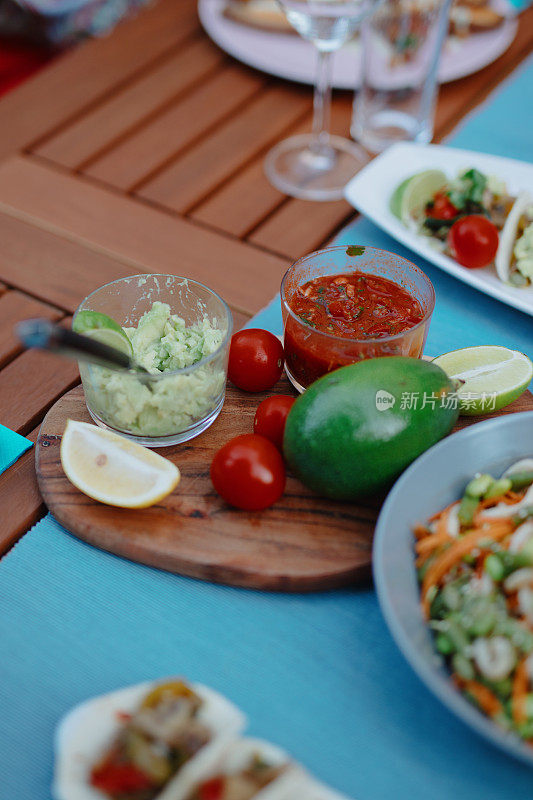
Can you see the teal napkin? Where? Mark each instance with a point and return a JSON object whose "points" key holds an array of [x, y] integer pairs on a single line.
{"points": [[12, 446]]}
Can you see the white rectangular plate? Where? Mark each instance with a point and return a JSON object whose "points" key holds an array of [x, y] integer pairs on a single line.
{"points": [[370, 191]]}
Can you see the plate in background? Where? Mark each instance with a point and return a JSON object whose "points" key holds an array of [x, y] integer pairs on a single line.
{"points": [[288, 56]]}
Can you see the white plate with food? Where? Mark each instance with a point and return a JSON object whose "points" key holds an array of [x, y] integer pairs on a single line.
{"points": [[498, 190], [257, 33]]}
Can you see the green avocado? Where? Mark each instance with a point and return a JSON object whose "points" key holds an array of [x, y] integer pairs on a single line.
{"points": [[355, 430]]}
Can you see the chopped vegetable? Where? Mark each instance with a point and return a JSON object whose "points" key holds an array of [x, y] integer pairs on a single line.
{"points": [[477, 594], [153, 744]]}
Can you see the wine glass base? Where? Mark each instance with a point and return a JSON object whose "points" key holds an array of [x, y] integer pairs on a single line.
{"points": [[297, 168]]}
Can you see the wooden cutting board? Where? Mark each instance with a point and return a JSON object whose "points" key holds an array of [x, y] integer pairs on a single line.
{"points": [[303, 543]]}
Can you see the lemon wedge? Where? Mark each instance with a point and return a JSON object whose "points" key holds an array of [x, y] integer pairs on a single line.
{"points": [[111, 469]]}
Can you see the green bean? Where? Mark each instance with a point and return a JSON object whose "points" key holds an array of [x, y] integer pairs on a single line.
{"points": [[522, 515], [457, 635], [438, 608], [479, 485], [519, 480], [499, 565], [502, 688], [467, 509], [498, 488], [495, 568], [529, 706], [444, 644], [451, 596], [463, 667]]}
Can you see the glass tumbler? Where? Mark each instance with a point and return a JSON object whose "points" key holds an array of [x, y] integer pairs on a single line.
{"points": [[401, 47], [311, 353], [171, 406]]}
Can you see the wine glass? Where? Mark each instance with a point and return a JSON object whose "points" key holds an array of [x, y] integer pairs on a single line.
{"points": [[317, 166]]}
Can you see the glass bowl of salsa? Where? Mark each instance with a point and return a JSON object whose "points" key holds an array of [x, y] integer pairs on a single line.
{"points": [[346, 304]]}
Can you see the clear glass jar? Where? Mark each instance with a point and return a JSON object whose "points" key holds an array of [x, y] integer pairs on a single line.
{"points": [[311, 353], [172, 406]]}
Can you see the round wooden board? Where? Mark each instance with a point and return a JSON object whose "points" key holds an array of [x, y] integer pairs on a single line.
{"points": [[303, 543]]}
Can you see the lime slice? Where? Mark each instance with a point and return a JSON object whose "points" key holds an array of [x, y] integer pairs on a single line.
{"points": [[113, 470], [395, 203], [413, 194], [491, 377], [102, 328]]}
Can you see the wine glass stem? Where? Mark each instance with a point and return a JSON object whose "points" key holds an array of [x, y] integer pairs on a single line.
{"points": [[322, 102]]}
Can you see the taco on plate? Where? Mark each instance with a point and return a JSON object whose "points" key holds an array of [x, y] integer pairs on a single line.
{"points": [[146, 742], [514, 259]]}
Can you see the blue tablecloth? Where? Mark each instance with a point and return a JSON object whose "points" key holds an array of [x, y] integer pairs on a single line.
{"points": [[318, 674], [12, 446]]}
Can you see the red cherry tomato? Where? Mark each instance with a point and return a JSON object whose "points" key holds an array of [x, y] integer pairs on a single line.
{"points": [[271, 416], [117, 778], [255, 360], [248, 472], [212, 789], [442, 208], [473, 241]]}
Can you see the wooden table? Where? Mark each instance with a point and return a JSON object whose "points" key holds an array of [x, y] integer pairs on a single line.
{"points": [[143, 151]]}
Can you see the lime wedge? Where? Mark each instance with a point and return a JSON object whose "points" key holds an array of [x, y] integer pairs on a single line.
{"points": [[410, 198], [102, 328], [395, 203], [491, 377]]}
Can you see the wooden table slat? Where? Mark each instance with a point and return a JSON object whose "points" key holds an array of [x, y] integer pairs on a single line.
{"points": [[241, 204], [178, 126], [20, 498], [88, 72], [203, 168], [30, 384], [118, 114], [56, 269], [301, 226], [133, 232], [14, 307]]}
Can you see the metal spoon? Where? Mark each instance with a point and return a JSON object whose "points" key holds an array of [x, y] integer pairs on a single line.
{"points": [[46, 335]]}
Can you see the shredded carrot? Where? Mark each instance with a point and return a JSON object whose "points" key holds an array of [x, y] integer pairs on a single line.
{"points": [[480, 566], [491, 502], [421, 531], [444, 511], [515, 497], [440, 537], [487, 700], [520, 688], [512, 602], [429, 544], [494, 531], [508, 499]]}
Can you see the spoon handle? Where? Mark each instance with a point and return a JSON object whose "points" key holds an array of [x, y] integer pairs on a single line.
{"points": [[46, 335]]}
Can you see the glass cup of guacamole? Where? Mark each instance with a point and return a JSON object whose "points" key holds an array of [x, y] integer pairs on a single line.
{"points": [[179, 331]]}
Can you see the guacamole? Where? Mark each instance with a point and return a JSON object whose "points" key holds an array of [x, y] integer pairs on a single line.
{"points": [[162, 343], [523, 252]]}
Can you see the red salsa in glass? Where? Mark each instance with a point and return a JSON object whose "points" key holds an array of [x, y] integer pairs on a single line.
{"points": [[355, 306]]}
